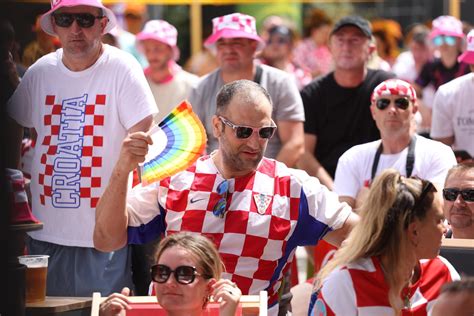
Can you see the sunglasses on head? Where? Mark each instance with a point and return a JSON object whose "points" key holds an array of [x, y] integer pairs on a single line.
{"points": [[448, 40], [451, 194], [221, 205], [401, 103], [84, 20], [160, 273], [243, 132]]}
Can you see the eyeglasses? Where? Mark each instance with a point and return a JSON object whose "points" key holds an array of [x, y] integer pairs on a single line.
{"points": [[451, 194], [427, 188], [84, 20], [160, 273], [243, 132], [448, 40], [220, 208], [401, 103]]}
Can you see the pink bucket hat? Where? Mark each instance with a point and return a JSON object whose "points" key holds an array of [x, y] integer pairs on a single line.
{"points": [[47, 25], [446, 25], [468, 56], [235, 25], [394, 87], [160, 31]]}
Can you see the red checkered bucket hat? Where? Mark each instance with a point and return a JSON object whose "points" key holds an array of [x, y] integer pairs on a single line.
{"points": [[394, 87], [446, 25], [235, 25], [468, 56], [46, 22], [160, 31]]}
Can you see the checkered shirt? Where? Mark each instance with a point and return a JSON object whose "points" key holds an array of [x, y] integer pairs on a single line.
{"points": [[360, 289], [269, 213]]}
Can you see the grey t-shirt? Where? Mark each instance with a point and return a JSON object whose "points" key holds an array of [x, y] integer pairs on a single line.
{"points": [[286, 99]]}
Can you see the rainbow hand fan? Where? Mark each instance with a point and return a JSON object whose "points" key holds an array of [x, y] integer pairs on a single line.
{"points": [[178, 141]]}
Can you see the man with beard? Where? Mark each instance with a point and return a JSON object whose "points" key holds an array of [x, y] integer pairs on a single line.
{"points": [[255, 209], [169, 83], [458, 194]]}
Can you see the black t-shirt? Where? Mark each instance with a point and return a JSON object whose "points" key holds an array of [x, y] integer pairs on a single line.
{"points": [[435, 73], [340, 117]]}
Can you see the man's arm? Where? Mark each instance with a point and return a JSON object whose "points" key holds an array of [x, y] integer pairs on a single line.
{"points": [[292, 138], [111, 219], [311, 165], [349, 200], [336, 237]]}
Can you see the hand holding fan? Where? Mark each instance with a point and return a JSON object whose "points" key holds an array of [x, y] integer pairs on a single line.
{"points": [[178, 141]]}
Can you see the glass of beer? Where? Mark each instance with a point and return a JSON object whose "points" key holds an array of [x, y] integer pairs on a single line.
{"points": [[36, 271]]}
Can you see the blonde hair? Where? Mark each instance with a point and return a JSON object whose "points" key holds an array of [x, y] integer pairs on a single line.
{"points": [[199, 247], [392, 204]]}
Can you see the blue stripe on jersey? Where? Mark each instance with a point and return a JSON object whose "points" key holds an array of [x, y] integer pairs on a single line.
{"points": [[149, 231], [308, 231]]}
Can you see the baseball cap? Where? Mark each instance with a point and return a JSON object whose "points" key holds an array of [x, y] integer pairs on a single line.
{"points": [[161, 31], [235, 25], [468, 56], [394, 87], [57, 4], [354, 20]]}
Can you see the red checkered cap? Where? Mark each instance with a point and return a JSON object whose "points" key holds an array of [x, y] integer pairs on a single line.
{"points": [[394, 87], [235, 25], [446, 25], [468, 56], [161, 31]]}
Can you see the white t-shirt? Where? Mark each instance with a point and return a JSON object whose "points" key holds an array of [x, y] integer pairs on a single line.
{"points": [[354, 169], [170, 94], [453, 112], [81, 119]]}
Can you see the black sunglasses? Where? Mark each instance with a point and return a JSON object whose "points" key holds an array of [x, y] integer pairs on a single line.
{"points": [[84, 20], [182, 274], [451, 194], [243, 132], [401, 103]]}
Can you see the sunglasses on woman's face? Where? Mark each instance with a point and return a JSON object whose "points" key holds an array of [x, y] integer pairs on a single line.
{"points": [[160, 273], [451, 194], [84, 20], [401, 103], [448, 40], [243, 132]]}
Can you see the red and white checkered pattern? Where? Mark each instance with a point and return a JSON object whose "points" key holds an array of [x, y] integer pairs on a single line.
{"points": [[468, 56], [394, 87], [20, 211], [360, 289], [91, 162], [235, 25], [446, 25], [160, 31], [256, 245]]}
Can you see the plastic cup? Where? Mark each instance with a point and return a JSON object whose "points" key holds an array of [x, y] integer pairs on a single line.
{"points": [[36, 272]]}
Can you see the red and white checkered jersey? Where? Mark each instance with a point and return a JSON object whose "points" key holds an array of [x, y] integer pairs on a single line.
{"points": [[269, 213], [81, 118], [360, 289]]}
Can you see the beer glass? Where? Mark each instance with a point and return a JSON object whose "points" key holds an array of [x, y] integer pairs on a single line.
{"points": [[36, 272]]}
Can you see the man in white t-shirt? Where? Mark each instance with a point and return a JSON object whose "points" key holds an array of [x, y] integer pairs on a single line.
{"points": [[82, 101], [169, 83], [393, 105], [453, 108]]}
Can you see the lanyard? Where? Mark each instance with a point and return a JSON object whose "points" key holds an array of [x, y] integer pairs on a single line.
{"points": [[410, 158]]}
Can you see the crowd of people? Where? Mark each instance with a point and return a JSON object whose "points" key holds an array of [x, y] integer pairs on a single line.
{"points": [[336, 138]]}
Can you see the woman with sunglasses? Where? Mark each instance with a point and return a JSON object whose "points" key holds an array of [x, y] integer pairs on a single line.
{"points": [[186, 275], [389, 265]]}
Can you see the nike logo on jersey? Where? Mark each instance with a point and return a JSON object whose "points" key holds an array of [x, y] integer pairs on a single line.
{"points": [[194, 200]]}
